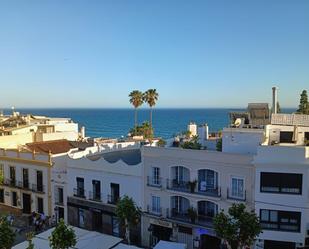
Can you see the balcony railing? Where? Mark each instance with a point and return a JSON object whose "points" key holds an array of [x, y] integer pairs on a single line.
{"points": [[23, 185], [205, 220], [38, 188], [214, 192], [239, 197], [79, 192], [112, 199], [181, 215], [154, 211], [95, 196], [154, 182], [183, 186]]}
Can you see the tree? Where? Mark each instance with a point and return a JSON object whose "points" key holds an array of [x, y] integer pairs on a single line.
{"points": [[239, 228], [142, 130], [161, 142], [193, 145], [303, 107], [136, 99], [150, 97], [7, 236], [29, 237], [128, 213], [62, 237]]}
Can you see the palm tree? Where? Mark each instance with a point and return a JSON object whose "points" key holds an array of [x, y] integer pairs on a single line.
{"points": [[150, 97], [136, 99]]}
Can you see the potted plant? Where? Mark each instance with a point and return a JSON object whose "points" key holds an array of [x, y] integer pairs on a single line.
{"points": [[192, 214], [192, 185]]}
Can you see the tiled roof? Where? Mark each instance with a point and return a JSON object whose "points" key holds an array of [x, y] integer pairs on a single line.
{"points": [[54, 146], [290, 119]]}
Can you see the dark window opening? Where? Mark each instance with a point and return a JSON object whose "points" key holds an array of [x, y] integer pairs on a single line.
{"points": [[14, 199], [39, 181], [281, 183], [80, 190], [114, 197], [2, 195], [25, 178], [286, 137], [40, 205], [280, 220]]}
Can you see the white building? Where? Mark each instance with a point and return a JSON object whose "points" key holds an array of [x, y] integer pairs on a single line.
{"points": [[18, 129], [282, 183], [96, 181], [176, 180]]}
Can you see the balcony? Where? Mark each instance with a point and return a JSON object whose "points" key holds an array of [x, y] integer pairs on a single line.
{"points": [[181, 215], [38, 188], [206, 221], [79, 192], [213, 192], [153, 211], [23, 185], [112, 199], [95, 196], [182, 186], [239, 197], [154, 182]]}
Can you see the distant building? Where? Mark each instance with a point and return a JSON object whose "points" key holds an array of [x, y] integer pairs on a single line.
{"points": [[17, 130]]}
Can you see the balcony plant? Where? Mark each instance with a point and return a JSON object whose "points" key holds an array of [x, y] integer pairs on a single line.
{"points": [[192, 214], [192, 185]]}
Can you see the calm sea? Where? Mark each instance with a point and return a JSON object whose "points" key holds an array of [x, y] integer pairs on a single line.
{"points": [[114, 123]]}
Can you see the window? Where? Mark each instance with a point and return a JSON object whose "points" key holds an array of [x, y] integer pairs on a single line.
{"points": [[306, 136], [156, 207], [156, 176], [286, 136], [237, 187], [115, 224], [208, 180], [1, 172], [40, 207], [81, 217], [207, 209], [80, 187], [25, 178], [96, 187], [59, 196], [12, 175], [280, 220], [287, 183], [39, 180], [1, 195], [14, 199], [114, 197]]}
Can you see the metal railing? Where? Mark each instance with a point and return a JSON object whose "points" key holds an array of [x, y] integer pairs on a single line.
{"points": [[236, 197], [214, 192], [183, 186], [95, 196], [154, 182], [112, 199], [79, 192], [23, 185], [154, 211]]}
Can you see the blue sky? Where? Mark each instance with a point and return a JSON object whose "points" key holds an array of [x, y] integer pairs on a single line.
{"points": [[195, 53]]}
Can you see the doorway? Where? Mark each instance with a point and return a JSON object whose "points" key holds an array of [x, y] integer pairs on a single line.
{"points": [[97, 221], [210, 242], [26, 203]]}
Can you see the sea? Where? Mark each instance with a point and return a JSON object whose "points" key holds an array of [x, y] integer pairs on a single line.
{"points": [[116, 123]]}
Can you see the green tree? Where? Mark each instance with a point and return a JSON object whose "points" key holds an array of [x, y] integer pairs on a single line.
{"points": [[161, 142], [142, 130], [239, 228], [7, 236], [136, 99], [29, 237], [128, 213], [303, 107], [150, 97], [192, 145], [62, 237]]}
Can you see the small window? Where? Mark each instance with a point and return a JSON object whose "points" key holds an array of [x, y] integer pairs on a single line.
{"points": [[156, 208], [1, 195], [40, 207], [14, 199]]}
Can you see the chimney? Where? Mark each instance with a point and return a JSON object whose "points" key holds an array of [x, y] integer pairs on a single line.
{"points": [[275, 100]]}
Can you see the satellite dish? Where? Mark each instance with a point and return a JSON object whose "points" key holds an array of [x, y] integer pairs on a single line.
{"points": [[237, 122]]}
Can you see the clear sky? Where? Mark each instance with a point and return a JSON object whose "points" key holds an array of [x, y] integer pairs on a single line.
{"points": [[195, 53]]}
